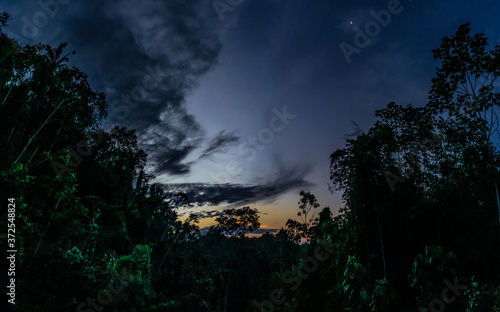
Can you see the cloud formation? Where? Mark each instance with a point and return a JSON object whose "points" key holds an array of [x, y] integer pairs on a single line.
{"points": [[148, 57], [220, 143], [204, 230], [203, 194]]}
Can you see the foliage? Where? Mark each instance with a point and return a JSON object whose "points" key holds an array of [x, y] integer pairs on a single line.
{"points": [[237, 222], [420, 190]]}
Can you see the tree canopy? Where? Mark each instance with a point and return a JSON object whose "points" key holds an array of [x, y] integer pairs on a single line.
{"points": [[94, 232]]}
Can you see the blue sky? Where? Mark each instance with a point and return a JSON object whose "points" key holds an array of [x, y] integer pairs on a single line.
{"points": [[215, 84]]}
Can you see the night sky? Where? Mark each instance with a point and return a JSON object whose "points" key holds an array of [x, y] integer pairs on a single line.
{"points": [[252, 96]]}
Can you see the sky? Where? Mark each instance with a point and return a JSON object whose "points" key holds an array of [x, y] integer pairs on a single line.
{"points": [[241, 103]]}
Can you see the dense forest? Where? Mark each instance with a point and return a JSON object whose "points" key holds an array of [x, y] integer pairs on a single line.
{"points": [[419, 230]]}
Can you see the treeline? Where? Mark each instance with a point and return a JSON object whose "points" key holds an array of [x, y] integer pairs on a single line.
{"points": [[420, 229]]}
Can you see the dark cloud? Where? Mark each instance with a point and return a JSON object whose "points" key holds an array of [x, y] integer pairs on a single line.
{"points": [[220, 142], [171, 161], [210, 214], [168, 152], [238, 194], [265, 230], [204, 231], [147, 57], [174, 42], [169, 143]]}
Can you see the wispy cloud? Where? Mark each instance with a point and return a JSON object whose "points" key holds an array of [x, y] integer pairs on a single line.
{"points": [[220, 143], [206, 194], [174, 43]]}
